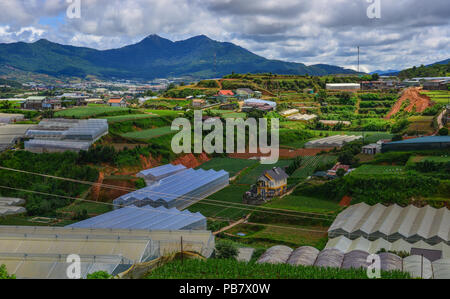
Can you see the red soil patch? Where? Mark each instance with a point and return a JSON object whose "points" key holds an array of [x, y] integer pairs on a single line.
{"points": [[417, 101], [95, 191], [345, 202], [284, 153], [108, 194], [190, 161]]}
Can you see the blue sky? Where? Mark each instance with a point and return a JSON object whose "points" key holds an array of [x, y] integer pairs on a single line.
{"points": [[408, 32]]}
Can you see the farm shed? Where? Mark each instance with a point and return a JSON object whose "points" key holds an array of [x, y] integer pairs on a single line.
{"points": [[147, 218], [179, 190], [334, 258], [252, 102], [345, 245], [392, 223], [418, 144], [40, 252], [343, 86], [276, 255], [332, 141]]}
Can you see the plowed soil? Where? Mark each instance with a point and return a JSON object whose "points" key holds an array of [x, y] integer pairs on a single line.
{"points": [[417, 101], [284, 153]]}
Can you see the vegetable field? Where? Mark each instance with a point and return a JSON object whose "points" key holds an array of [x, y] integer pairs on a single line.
{"points": [[148, 134], [232, 166], [251, 177], [379, 169], [310, 164], [231, 269]]}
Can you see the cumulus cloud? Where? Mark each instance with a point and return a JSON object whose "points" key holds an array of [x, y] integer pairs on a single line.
{"points": [[410, 32]]}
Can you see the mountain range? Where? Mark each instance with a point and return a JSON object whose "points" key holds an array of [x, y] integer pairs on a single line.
{"points": [[153, 57]]}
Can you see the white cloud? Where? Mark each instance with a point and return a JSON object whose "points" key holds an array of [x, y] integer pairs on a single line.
{"points": [[320, 31]]}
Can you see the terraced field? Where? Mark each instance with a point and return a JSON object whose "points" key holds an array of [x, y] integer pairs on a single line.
{"points": [[439, 96], [310, 164]]}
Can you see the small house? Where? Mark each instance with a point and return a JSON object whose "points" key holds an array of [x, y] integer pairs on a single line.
{"points": [[117, 102], [272, 183]]}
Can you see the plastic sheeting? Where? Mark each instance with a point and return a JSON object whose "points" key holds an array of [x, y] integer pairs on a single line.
{"points": [[393, 223], [305, 256], [330, 258], [276, 255], [147, 218]]}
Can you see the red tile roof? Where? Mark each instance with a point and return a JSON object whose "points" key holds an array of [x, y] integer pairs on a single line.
{"points": [[115, 100], [226, 93]]}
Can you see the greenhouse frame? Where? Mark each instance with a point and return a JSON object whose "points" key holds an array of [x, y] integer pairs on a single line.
{"points": [[179, 190], [147, 218], [392, 223]]}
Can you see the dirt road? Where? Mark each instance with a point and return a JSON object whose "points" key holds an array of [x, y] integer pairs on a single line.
{"points": [[417, 101]]}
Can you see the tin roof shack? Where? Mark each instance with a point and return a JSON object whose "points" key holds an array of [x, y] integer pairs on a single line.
{"points": [[373, 148], [33, 103], [422, 143]]}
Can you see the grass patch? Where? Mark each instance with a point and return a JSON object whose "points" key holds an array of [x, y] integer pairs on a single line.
{"points": [[251, 177], [379, 169], [232, 166], [93, 110], [304, 204], [148, 134], [232, 269]]}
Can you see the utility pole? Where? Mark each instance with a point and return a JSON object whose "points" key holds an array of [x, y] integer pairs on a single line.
{"points": [[358, 59]]}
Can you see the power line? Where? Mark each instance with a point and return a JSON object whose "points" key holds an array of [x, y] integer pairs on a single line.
{"points": [[180, 198]]}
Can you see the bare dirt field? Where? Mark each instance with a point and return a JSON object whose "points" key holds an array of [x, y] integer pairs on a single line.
{"points": [[417, 101]]}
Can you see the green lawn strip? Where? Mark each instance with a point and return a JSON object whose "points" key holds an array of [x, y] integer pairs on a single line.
{"points": [[379, 169], [232, 166], [148, 134], [251, 177], [304, 204]]}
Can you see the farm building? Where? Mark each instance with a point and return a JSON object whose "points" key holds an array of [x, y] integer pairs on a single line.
{"points": [[41, 252], [178, 190], [417, 266], [244, 93], [271, 183], [11, 206], [59, 135], [198, 103], [373, 148], [148, 218], [393, 223], [436, 85], [117, 102], [6, 118], [373, 85], [332, 141], [422, 143], [343, 86], [10, 135], [346, 245]]}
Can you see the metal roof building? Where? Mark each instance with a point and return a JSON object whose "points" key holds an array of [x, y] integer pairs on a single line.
{"points": [[146, 218], [423, 143], [392, 223], [179, 190], [332, 141], [415, 265]]}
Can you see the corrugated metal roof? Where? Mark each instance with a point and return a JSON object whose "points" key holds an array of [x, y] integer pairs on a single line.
{"points": [[147, 218], [411, 223], [427, 139]]}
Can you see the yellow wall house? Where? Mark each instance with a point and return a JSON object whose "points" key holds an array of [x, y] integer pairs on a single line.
{"points": [[272, 183]]}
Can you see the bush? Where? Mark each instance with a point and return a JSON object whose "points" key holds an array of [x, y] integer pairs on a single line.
{"points": [[4, 274], [226, 250], [443, 132], [99, 275]]}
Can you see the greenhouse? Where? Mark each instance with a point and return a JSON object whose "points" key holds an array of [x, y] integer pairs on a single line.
{"points": [[40, 252], [392, 223], [332, 141], [345, 245], [179, 190], [59, 135], [158, 173], [417, 266], [147, 218], [11, 206], [418, 144]]}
